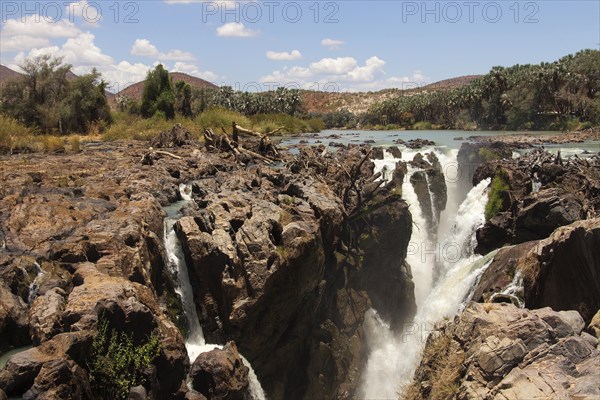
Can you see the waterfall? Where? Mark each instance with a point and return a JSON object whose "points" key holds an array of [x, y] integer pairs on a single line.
{"points": [[420, 243], [394, 356], [195, 343], [35, 285]]}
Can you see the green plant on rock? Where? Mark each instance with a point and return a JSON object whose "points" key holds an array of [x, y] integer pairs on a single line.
{"points": [[116, 363], [499, 185], [488, 155]]}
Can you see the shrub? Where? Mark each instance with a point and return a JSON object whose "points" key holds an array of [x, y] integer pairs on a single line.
{"points": [[137, 128], [487, 154], [217, 118], [116, 364], [269, 122], [75, 144], [422, 126], [13, 134], [494, 205]]}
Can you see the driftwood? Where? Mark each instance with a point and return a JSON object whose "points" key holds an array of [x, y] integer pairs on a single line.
{"points": [[148, 158], [222, 142], [265, 147]]}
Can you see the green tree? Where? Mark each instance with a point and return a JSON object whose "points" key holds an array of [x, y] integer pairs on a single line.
{"points": [[46, 99], [86, 102], [158, 95], [183, 98]]}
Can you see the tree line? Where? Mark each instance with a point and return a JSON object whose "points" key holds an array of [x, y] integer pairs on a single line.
{"points": [[51, 99], [554, 95]]}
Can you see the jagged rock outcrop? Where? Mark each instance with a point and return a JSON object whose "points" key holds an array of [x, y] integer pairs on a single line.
{"points": [[535, 194], [561, 271], [13, 320], [429, 184], [221, 374], [288, 266], [83, 237], [499, 351], [285, 260]]}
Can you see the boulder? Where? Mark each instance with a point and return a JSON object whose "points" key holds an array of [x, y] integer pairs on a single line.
{"points": [[45, 313], [561, 271], [221, 374], [544, 211], [395, 152], [498, 351], [377, 153], [60, 379], [22, 368], [594, 326]]}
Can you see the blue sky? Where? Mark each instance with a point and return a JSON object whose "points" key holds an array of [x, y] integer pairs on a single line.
{"points": [[343, 45]]}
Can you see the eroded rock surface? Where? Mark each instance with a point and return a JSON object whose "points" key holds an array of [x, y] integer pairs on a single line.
{"points": [[285, 260], [499, 351], [287, 265], [221, 374], [562, 271], [543, 192]]}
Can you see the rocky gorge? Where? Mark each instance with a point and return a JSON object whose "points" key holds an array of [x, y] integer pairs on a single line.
{"points": [[530, 330], [284, 261], [301, 268]]}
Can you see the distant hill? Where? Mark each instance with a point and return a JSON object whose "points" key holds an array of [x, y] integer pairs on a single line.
{"points": [[135, 91], [452, 82], [7, 74], [355, 102], [359, 102]]}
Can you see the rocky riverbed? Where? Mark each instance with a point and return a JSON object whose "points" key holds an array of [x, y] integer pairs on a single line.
{"points": [[284, 260], [285, 255]]}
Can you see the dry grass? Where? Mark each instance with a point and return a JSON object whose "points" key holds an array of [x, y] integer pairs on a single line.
{"points": [[442, 366]]}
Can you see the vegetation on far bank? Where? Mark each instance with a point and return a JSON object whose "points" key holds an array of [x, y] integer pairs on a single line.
{"points": [[46, 104], [562, 95], [49, 101]]}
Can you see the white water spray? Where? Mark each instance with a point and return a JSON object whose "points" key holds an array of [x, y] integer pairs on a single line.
{"points": [[394, 356], [35, 285], [195, 343]]}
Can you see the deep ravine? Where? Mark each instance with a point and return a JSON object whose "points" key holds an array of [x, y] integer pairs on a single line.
{"points": [[447, 253], [195, 343]]}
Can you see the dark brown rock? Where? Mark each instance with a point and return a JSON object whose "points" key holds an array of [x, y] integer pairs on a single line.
{"points": [[545, 211], [60, 379], [13, 320], [221, 374], [562, 271]]}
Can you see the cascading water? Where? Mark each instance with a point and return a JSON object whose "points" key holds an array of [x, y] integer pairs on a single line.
{"points": [[35, 285], [195, 343], [394, 356]]}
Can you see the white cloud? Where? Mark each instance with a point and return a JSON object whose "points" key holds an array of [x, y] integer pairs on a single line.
{"points": [[21, 42], [143, 47], [344, 73], [331, 43], [284, 56], [235, 29], [123, 74], [34, 31], [78, 51], [334, 66], [81, 50], [193, 70]]}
